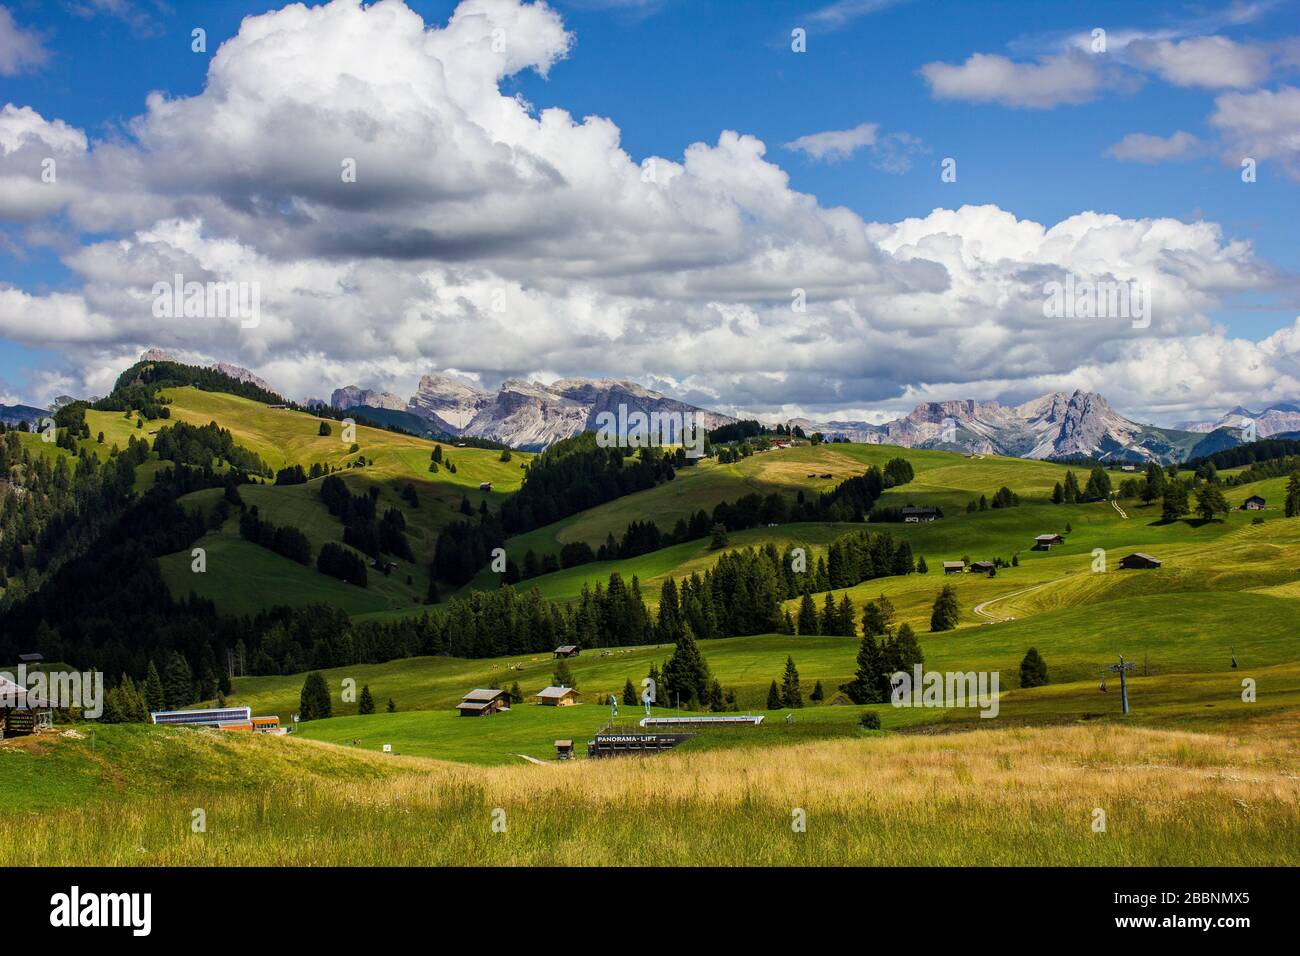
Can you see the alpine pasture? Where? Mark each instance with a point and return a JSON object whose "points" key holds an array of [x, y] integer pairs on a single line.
{"points": [[1203, 771]]}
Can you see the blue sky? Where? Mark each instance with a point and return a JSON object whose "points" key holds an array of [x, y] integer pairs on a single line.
{"points": [[673, 73]]}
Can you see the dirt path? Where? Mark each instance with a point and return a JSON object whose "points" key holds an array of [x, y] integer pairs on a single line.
{"points": [[1115, 505], [982, 609]]}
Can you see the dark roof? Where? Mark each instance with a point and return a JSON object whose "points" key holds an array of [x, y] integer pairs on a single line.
{"points": [[556, 691], [566, 648], [474, 705], [484, 695], [1142, 556], [1256, 498], [911, 510]]}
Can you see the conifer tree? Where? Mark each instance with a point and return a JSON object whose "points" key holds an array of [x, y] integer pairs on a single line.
{"points": [[1033, 669], [563, 675], [366, 704], [878, 617], [717, 700], [154, 695], [946, 613], [829, 619], [113, 710], [1154, 486], [629, 693], [848, 627], [791, 696], [1174, 505], [1071, 490], [314, 701], [865, 686], [817, 693], [906, 649], [807, 615], [178, 684], [1210, 501], [516, 695], [773, 697], [686, 673], [670, 623], [1098, 485], [1293, 496]]}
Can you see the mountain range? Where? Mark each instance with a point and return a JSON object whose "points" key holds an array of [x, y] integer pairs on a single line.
{"points": [[522, 414], [1276, 419], [1056, 425], [531, 416]]}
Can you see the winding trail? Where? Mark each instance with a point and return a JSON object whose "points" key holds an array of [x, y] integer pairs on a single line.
{"points": [[982, 609], [1115, 505]]}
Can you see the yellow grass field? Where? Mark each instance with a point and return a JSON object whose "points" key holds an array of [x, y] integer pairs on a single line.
{"points": [[1006, 797]]}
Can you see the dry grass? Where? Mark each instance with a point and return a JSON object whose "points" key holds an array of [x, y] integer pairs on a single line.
{"points": [[988, 797]]}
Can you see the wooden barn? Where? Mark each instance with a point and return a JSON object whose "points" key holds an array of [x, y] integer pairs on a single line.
{"points": [[954, 567], [1045, 542], [981, 567], [568, 650], [1139, 560], [913, 515], [1254, 503], [482, 702], [21, 713], [557, 696]]}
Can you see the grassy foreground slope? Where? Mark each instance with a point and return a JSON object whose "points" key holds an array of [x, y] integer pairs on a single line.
{"points": [[1011, 797]]}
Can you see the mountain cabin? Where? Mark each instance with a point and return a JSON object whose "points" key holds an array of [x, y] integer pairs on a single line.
{"points": [[482, 702], [21, 713], [557, 696], [1254, 503], [1139, 560]]}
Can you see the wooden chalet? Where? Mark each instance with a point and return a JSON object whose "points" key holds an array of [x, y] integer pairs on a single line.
{"points": [[1253, 503], [982, 567], [1139, 560], [482, 702], [1045, 542], [914, 515], [21, 713], [954, 567], [557, 696], [568, 650]]}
